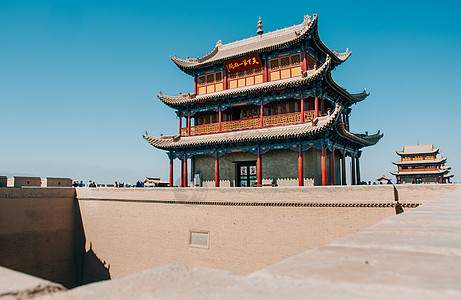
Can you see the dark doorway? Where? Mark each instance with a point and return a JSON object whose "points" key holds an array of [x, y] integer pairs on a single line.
{"points": [[246, 173]]}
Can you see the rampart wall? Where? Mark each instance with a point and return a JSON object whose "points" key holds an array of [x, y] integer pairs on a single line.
{"points": [[99, 233], [37, 231], [248, 228]]}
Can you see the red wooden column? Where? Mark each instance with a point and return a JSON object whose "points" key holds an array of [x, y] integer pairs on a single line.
{"points": [[332, 167], [357, 169], [188, 124], [225, 81], [182, 173], [171, 171], [304, 61], [258, 167], [265, 70], [180, 121], [324, 165], [185, 170], [261, 115], [316, 107], [302, 109], [353, 182], [300, 166], [343, 169], [216, 169], [195, 85], [219, 120]]}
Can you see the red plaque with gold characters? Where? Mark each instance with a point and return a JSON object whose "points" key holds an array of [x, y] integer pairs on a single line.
{"points": [[243, 63]]}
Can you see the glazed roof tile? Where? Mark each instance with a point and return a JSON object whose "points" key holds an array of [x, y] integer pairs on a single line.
{"points": [[265, 42], [417, 149], [287, 82]]}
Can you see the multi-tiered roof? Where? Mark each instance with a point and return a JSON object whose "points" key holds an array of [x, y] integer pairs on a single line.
{"points": [[421, 161], [329, 127]]}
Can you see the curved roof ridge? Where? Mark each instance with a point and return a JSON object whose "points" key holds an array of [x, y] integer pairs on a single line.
{"points": [[267, 133], [353, 97], [268, 40], [191, 97], [269, 34], [365, 139], [343, 55]]}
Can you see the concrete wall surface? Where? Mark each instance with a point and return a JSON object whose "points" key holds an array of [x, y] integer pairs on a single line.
{"points": [[57, 182], [20, 181], [37, 229], [130, 230], [414, 255]]}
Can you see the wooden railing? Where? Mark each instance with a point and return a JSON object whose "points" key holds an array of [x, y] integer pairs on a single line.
{"points": [[422, 169], [308, 115], [294, 118], [286, 119], [202, 129], [240, 124]]}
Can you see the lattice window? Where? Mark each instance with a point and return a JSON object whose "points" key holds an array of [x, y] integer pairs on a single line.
{"points": [[274, 64], [295, 59], [284, 62], [210, 83], [244, 78], [286, 66]]}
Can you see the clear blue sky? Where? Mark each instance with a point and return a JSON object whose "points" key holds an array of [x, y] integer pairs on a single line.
{"points": [[78, 78]]}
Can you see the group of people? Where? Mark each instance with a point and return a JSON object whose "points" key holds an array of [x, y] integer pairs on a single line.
{"points": [[78, 184], [81, 184], [93, 184]]}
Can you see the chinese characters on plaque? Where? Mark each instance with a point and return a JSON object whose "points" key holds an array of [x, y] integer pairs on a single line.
{"points": [[243, 63]]}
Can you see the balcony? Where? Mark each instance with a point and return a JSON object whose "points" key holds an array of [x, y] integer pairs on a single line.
{"points": [[253, 123]]}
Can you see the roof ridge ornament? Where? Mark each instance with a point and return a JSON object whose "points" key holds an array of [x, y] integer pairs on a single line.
{"points": [[260, 27]]}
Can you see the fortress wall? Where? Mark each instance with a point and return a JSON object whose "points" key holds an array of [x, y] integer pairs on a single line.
{"points": [[132, 236], [37, 232], [129, 230], [135, 229]]}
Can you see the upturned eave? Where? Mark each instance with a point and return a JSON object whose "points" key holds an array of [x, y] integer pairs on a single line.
{"points": [[262, 43]]}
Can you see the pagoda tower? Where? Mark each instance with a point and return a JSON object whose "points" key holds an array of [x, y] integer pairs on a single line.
{"points": [[421, 164], [265, 111]]}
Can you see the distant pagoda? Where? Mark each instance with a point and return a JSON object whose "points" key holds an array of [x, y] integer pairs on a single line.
{"points": [[265, 110], [421, 164]]}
